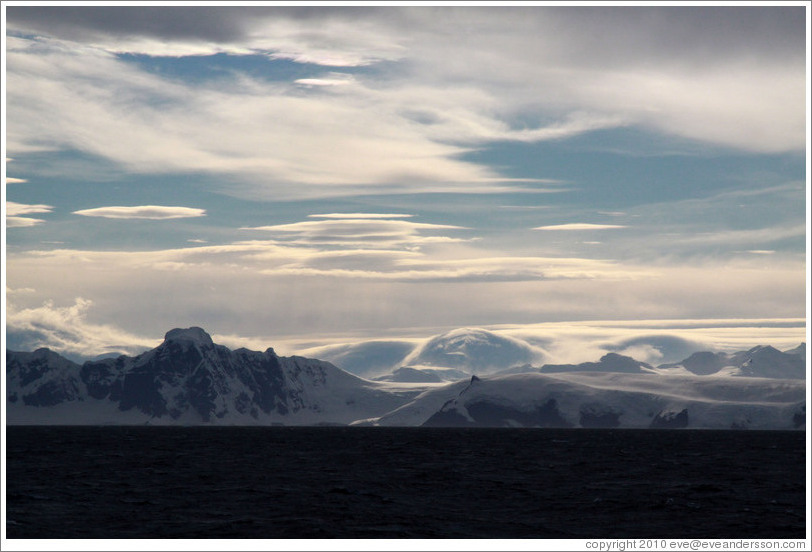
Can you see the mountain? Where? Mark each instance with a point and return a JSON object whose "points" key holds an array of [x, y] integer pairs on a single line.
{"points": [[758, 362], [473, 351], [610, 362], [424, 374], [665, 348], [800, 350], [769, 362], [188, 379], [41, 378], [412, 375], [593, 399]]}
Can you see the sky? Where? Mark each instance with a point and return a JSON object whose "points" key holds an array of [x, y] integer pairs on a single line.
{"points": [[302, 176]]}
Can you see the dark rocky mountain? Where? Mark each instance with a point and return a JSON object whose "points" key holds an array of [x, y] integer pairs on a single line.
{"points": [[189, 379], [48, 378]]}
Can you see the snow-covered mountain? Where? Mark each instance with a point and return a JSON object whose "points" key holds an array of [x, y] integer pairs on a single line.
{"points": [[593, 399], [424, 374], [759, 362], [42, 378], [188, 379], [474, 351], [610, 362]]}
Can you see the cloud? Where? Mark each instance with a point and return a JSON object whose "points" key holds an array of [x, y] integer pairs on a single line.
{"points": [[277, 137], [66, 330], [166, 23], [12, 180], [14, 209], [324, 82], [330, 59], [755, 235], [579, 226], [285, 294], [325, 36], [22, 222], [151, 212], [369, 229], [672, 70], [359, 216]]}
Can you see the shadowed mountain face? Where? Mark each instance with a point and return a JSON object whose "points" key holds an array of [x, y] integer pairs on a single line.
{"points": [[190, 379], [50, 378]]}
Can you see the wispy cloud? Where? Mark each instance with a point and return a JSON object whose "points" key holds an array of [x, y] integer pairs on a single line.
{"points": [[66, 330], [754, 236], [360, 216], [521, 77], [12, 180], [579, 226], [277, 137], [519, 60], [310, 291], [15, 209], [331, 80], [372, 229], [150, 212], [22, 222]]}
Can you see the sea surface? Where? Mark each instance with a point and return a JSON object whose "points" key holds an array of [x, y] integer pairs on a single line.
{"points": [[355, 483]]}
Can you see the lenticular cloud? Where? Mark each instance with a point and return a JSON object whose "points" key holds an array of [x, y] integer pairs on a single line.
{"points": [[151, 212]]}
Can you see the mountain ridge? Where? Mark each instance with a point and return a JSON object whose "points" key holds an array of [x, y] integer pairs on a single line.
{"points": [[189, 379]]}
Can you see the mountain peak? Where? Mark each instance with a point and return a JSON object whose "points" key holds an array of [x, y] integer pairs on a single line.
{"points": [[194, 335]]}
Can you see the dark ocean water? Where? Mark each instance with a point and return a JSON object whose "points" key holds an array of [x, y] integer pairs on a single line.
{"points": [[267, 483]]}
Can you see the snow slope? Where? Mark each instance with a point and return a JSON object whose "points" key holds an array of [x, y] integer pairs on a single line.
{"points": [[595, 399]]}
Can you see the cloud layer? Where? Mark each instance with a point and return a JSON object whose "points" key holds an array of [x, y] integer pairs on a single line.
{"points": [[441, 80], [150, 212], [396, 273], [579, 226]]}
